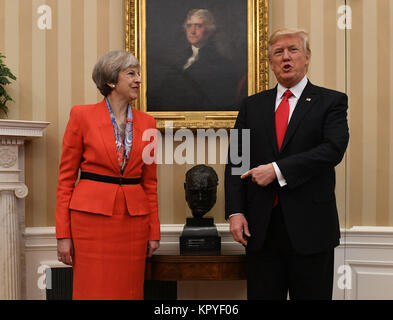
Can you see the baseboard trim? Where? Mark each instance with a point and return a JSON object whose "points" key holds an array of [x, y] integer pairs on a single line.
{"points": [[44, 238]]}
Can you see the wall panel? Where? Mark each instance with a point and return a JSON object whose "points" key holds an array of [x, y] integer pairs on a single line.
{"points": [[54, 72]]}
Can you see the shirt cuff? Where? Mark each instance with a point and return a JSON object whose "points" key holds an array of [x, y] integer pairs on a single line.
{"points": [[280, 178], [234, 214]]}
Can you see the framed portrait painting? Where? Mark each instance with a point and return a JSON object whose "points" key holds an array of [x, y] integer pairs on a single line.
{"points": [[199, 58]]}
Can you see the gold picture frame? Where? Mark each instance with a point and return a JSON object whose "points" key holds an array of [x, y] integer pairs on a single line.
{"points": [[257, 65]]}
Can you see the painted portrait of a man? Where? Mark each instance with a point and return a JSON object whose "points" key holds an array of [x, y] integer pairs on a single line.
{"points": [[201, 62]]}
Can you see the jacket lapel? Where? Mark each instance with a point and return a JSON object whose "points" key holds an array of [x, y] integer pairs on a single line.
{"points": [[269, 118], [308, 98], [136, 140], [107, 134]]}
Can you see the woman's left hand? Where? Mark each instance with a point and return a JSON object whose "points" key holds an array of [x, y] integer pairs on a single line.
{"points": [[152, 246]]}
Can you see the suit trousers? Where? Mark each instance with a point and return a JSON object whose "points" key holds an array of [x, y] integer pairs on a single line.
{"points": [[277, 269]]}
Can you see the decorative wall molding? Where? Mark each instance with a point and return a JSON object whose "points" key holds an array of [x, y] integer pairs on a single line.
{"points": [[8, 157], [13, 190], [43, 238], [369, 237], [371, 280], [21, 128]]}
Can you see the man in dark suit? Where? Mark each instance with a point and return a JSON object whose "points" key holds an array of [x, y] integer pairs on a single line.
{"points": [[283, 209], [198, 77]]}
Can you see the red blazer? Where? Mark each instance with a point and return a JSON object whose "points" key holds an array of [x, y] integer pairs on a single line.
{"points": [[89, 145]]}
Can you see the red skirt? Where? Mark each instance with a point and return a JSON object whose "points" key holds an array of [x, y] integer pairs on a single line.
{"points": [[109, 253]]}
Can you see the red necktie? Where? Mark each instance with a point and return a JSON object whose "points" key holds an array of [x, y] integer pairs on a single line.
{"points": [[282, 116]]}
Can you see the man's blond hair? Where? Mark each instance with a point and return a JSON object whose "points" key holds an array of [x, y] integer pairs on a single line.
{"points": [[302, 34]]}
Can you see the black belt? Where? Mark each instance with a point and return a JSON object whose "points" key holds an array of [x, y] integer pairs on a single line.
{"points": [[109, 179]]}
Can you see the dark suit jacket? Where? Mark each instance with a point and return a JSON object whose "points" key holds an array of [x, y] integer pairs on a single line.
{"points": [[315, 142], [209, 84]]}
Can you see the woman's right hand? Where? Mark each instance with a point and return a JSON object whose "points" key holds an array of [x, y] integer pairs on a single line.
{"points": [[65, 251]]}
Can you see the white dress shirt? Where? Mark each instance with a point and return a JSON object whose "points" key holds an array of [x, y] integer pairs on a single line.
{"points": [[297, 91]]}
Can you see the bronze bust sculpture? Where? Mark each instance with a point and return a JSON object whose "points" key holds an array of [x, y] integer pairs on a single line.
{"points": [[201, 189], [200, 236]]}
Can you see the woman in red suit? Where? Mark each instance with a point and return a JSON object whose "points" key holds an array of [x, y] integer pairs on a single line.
{"points": [[108, 221]]}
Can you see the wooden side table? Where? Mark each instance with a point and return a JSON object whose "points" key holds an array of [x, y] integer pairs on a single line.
{"points": [[163, 272], [176, 267]]}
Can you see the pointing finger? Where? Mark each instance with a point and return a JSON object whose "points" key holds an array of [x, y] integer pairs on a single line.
{"points": [[245, 175]]}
